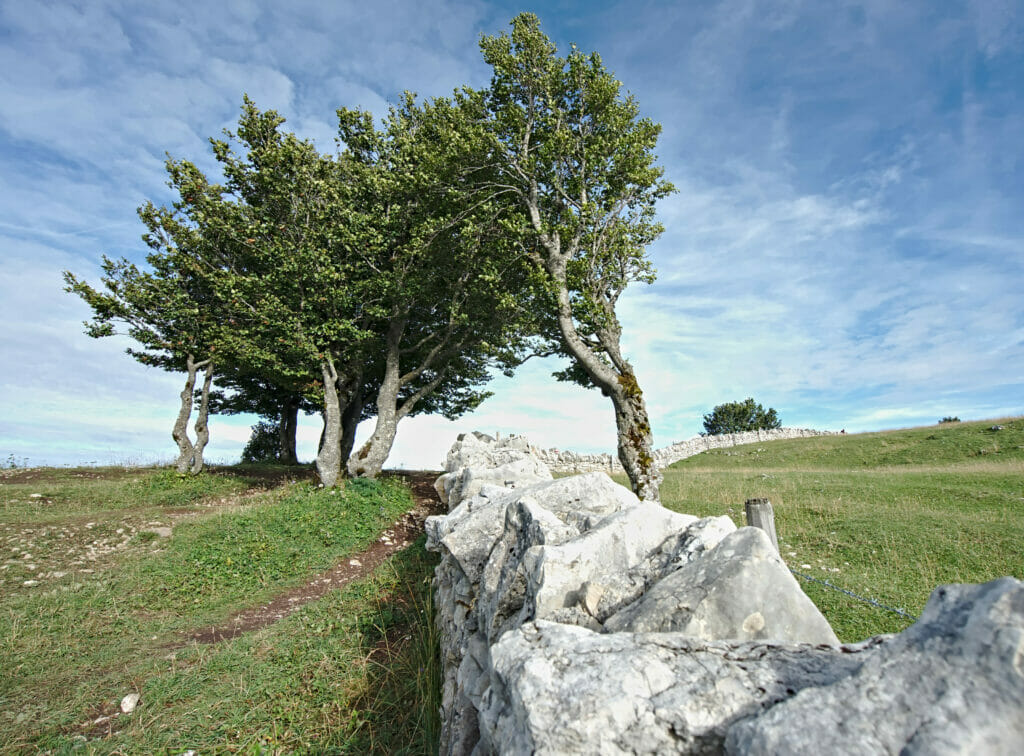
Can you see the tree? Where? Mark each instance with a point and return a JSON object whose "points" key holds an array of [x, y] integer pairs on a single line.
{"points": [[737, 417], [576, 157], [175, 326], [449, 281], [337, 279], [264, 444], [242, 392], [276, 253]]}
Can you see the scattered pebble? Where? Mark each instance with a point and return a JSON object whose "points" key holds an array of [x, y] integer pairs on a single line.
{"points": [[805, 566], [355, 563], [30, 583], [129, 702], [35, 496]]}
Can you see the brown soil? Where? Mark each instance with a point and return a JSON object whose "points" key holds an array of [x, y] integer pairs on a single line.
{"points": [[52, 474], [272, 475], [350, 568]]}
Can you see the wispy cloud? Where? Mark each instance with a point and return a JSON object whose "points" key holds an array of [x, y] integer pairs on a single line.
{"points": [[847, 243]]}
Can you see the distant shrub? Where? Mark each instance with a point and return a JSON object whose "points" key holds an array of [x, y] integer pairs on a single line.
{"points": [[264, 445], [736, 417], [949, 419]]}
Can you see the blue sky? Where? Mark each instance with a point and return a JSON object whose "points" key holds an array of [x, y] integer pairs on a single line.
{"points": [[847, 242]]}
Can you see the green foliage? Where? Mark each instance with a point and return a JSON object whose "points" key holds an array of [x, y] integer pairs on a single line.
{"points": [[576, 156], [949, 419], [264, 444], [737, 417]]}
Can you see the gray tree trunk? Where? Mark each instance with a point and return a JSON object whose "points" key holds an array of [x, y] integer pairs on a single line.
{"points": [[202, 426], [350, 420], [633, 427], [186, 449], [635, 440], [369, 460], [286, 433], [328, 461]]}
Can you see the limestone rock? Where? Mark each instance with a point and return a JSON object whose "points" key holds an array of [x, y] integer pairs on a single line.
{"points": [[740, 590], [951, 683], [476, 459], [480, 450], [129, 702], [468, 481], [606, 566], [562, 689]]}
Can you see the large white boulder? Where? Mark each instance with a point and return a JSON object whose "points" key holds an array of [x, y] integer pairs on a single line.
{"points": [[559, 689], [476, 460], [953, 683], [741, 590]]}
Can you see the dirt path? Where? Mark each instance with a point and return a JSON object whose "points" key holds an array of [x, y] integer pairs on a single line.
{"points": [[353, 567]]}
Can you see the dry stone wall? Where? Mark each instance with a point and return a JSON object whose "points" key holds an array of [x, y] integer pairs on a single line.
{"points": [[572, 462], [575, 618]]}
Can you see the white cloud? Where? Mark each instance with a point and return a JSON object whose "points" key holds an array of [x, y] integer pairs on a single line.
{"points": [[845, 246]]}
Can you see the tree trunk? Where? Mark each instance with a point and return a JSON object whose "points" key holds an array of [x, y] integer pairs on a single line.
{"points": [[635, 440], [617, 381], [369, 460], [328, 461], [202, 427], [286, 428], [350, 421], [186, 451]]}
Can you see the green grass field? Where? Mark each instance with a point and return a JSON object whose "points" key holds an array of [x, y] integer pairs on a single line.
{"points": [[105, 574], [885, 515]]}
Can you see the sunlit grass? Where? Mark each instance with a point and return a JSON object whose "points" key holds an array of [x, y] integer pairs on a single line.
{"points": [[886, 515], [355, 671]]}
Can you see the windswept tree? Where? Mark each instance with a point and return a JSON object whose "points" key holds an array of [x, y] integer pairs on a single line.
{"points": [[451, 285], [175, 327], [279, 236], [575, 154]]}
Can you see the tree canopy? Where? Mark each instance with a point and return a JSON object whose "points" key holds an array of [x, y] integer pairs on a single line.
{"points": [[737, 417], [452, 238], [573, 152]]}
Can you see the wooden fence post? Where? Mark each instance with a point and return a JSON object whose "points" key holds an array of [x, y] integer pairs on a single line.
{"points": [[761, 515]]}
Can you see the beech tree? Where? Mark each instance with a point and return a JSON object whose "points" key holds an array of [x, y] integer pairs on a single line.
{"points": [[449, 281], [174, 327], [576, 156], [342, 278], [242, 392], [279, 235]]}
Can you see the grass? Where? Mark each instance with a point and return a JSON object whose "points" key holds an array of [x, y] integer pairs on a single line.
{"points": [[105, 573], [886, 515], [353, 672]]}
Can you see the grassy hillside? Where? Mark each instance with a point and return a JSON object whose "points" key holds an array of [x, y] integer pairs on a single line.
{"points": [[885, 515], [107, 576]]}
